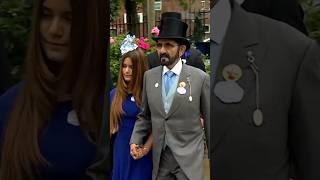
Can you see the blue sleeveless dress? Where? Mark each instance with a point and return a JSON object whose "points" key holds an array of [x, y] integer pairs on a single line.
{"points": [[124, 166]]}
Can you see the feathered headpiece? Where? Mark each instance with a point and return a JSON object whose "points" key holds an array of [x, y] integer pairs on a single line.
{"points": [[128, 44]]}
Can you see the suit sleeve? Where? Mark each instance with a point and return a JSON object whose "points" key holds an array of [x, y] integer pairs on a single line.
{"points": [[143, 123], [205, 109], [304, 122]]}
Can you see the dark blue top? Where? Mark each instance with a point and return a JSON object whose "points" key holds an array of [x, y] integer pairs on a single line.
{"points": [[61, 143]]}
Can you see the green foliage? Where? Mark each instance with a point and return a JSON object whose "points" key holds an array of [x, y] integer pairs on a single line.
{"points": [[114, 9], [115, 56], [312, 18], [206, 60], [15, 20]]}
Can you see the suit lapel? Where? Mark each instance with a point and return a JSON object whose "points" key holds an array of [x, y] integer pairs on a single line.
{"points": [[241, 37], [178, 97]]}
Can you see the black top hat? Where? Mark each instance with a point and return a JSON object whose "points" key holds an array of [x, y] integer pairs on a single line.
{"points": [[175, 15], [175, 29]]}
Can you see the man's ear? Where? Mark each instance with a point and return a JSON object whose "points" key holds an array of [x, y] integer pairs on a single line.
{"points": [[182, 49]]}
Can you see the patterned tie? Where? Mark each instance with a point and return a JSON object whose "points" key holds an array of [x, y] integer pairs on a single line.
{"points": [[169, 77]]}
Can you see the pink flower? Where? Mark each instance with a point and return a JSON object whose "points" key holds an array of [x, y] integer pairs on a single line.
{"points": [[143, 44], [155, 31]]}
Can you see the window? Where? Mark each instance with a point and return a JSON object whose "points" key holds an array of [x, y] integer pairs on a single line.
{"points": [[157, 5], [139, 15], [125, 18], [205, 5], [206, 28]]}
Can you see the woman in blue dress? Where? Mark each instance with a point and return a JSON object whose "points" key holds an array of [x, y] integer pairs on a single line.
{"points": [[125, 101], [50, 122]]}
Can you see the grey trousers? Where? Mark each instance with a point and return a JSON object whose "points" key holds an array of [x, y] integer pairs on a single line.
{"points": [[169, 168]]}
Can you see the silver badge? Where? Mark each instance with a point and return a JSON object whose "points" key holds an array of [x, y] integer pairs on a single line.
{"points": [[258, 117], [181, 90], [73, 118], [228, 91]]}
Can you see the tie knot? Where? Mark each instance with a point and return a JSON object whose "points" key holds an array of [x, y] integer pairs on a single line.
{"points": [[170, 74]]}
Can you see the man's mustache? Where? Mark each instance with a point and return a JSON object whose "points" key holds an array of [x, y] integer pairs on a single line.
{"points": [[164, 55]]}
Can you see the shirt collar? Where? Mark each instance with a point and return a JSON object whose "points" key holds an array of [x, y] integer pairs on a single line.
{"points": [[176, 69], [220, 17]]}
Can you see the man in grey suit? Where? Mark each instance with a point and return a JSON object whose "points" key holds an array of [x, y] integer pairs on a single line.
{"points": [[265, 98], [175, 95]]}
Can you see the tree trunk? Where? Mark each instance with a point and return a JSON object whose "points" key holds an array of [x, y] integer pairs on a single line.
{"points": [[132, 18], [150, 12]]}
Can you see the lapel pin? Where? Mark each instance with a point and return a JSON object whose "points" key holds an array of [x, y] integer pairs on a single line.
{"points": [[190, 98], [73, 118], [232, 72], [228, 91], [182, 84], [258, 117], [156, 85], [132, 99], [181, 90]]}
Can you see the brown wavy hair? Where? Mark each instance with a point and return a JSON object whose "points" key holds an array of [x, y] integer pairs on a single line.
{"points": [[123, 89], [83, 77]]}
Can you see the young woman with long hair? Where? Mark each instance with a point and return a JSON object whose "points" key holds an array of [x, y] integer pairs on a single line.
{"points": [[50, 122], [125, 101]]}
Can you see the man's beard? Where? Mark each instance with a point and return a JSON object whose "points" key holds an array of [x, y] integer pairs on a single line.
{"points": [[166, 60]]}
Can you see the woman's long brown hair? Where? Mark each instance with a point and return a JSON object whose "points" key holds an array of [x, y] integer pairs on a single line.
{"points": [[134, 86], [34, 106]]}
